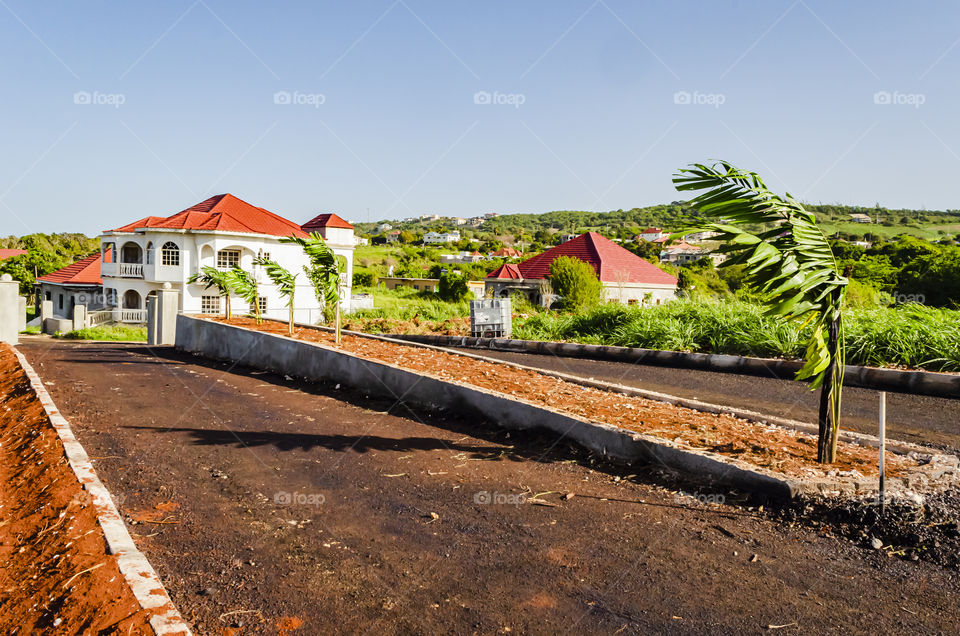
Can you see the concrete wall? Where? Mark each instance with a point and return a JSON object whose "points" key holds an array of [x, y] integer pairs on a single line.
{"points": [[304, 359], [9, 307]]}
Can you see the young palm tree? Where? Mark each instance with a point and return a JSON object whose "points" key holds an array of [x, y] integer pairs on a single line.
{"points": [[285, 281], [247, 288], [213, 277], [323, 272], [789, 260]]}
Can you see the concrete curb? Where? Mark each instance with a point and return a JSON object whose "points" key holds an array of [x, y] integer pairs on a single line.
{"points": [[944, 385], [139, 574], [315, 361]]}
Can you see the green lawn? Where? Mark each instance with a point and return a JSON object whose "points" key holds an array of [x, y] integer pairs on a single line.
{"points": [[108, 332]]}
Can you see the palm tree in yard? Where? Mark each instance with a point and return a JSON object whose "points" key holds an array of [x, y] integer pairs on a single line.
{"points": [[285, 282], [247, 288], [323, 272], [789, 260], [213, 277]]}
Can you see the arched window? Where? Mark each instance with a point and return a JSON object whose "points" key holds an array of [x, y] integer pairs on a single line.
{"points": [[150, 253], [170, 254]]}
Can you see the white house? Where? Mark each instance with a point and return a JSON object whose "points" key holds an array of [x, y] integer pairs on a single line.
{"points": [[383, 227], [861, 218], [441, 237], [652, 234], [138, 258]]}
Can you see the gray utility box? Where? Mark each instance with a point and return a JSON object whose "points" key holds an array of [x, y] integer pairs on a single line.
{"points": [[491, 318]]}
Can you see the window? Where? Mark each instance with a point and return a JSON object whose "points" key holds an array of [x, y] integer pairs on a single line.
{"points": [[61, 301], [209, 304], [47, 295], [150, 253], [170, 254], [228, 259], [263, 255], [417, 287], [263, 305]]}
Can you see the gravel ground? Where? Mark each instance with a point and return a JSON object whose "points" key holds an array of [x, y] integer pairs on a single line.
{"points": [[269, 505]]}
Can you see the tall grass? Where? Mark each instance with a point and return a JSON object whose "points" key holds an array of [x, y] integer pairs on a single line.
{"points": [[404, 303], [911, 336], [109, 332]]}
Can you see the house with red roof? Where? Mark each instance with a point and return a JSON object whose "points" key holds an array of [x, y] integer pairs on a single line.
{"points": [[652, 234], [5, 253], [626, 278], [76, 284], [140, 257]]}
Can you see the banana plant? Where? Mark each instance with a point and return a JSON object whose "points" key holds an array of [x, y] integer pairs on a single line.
{"points": [[323, 273], [285, 282], [789, 260], [213, 277], [247, 288]]}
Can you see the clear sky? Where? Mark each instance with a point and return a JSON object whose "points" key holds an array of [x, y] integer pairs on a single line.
{"points": [[112, 111]]}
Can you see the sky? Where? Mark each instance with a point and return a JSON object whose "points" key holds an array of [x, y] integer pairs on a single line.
{"points": [[112, 111]]}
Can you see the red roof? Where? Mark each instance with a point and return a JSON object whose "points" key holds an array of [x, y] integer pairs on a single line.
{"points": [[84, 272], [612, 263], [508, 270], [225, 213], [507, 252], [325, 220], [11, 253], [651, 230]]}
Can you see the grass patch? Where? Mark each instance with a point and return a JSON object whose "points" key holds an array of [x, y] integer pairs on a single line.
{"points": [[108, 332], [32, 330], [907, 336]]}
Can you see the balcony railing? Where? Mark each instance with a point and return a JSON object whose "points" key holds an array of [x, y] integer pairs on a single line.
{"points": [[132, 316], [131, 270]]}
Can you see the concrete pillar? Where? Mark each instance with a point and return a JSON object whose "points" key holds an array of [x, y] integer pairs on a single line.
{"points": [[165, 326], [9, 304], [152, 317], [46, 310], [22, 314], [79, 317]]}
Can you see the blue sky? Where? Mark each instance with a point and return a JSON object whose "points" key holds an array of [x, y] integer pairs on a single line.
{"points": [[113, 111]]}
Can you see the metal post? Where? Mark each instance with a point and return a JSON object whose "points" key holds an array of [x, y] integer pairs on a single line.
{"points": [[883, 445]]}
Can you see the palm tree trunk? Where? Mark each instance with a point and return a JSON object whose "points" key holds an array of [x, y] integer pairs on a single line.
{"points": [[228, 305], [828, 429], [291, 315]]}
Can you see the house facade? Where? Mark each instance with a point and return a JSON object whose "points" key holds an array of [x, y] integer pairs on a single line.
{"points": [[137, 259], [441, 237], [75, 284], [626, 278]]}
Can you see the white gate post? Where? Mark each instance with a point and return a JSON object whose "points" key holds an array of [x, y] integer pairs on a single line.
{"points": [[9, 306]]}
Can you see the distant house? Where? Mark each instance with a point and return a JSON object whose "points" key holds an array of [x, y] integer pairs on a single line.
{"points": [[505, 252], [441, 237], [700, 236], [393, 237], [680, 253], [418, 284], [430, 217], [476, 221], [5, 254], [462, 257], [652, 234], [491, 215], [567, 237], [459, 220], [359, 241], [626, 278], [76, 284], [384, 227], [861, 218]]}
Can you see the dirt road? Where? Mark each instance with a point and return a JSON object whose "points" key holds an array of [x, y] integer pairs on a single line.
{"points": [[913, 418], [277, 504]]}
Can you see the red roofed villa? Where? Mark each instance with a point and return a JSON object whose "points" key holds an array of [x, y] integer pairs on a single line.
{"points": [[138, 258], [5, 253], [626, 278], [76, 284]]}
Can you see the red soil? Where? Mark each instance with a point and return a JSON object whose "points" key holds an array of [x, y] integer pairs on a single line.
{"points": [[774, 448], [55, 573]]}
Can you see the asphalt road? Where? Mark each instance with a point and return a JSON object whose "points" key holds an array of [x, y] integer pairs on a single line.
{"points": [[267, 504], [912, 418]]}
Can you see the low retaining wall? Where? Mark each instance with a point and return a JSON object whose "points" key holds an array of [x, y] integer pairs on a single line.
{"points": [[318, 362], [919, 382]]}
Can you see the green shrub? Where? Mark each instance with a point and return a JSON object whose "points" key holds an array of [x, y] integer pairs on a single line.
{"points": [[576, 283], [108, 332]]}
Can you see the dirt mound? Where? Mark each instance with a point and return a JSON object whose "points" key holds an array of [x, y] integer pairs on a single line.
{"points": [[56, 575]]}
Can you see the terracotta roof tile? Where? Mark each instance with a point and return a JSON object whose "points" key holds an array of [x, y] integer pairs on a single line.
{"points": [[4, 254], [225, 213], [612, 263], [86, 271], [325, 220]]}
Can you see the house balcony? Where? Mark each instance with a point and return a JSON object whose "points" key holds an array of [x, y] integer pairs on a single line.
{"points": [[130, 270]]}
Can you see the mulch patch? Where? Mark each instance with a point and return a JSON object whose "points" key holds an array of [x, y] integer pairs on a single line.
{"points": [[55, 573], [774, 448]]}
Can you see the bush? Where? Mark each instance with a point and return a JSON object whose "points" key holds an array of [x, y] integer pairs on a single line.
{"points": [[576, 283], [364, 279], [108, 332], [452, 288]]}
